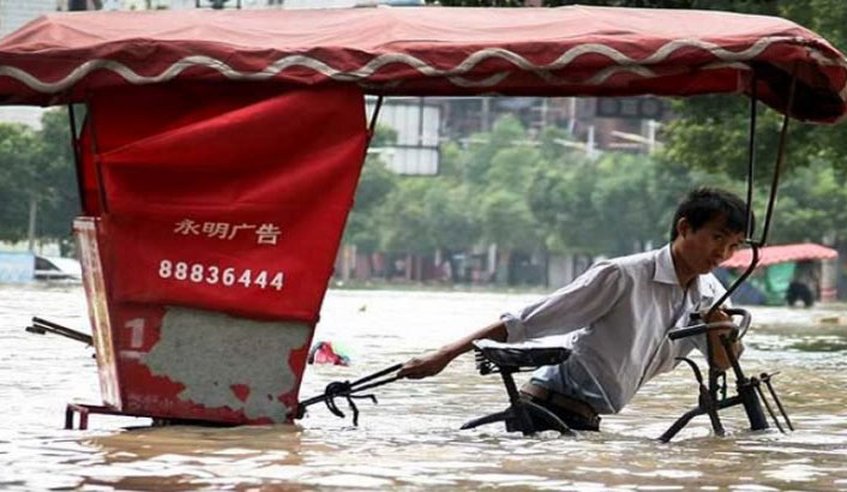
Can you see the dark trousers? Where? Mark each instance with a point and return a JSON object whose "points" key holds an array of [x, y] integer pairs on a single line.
{"points": [[571, 419]]}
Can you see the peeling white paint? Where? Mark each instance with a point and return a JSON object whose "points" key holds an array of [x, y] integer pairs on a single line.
{"points": [[208, 352]]}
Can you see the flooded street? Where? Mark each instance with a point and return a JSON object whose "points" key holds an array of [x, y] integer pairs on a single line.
{"points": [[410, 440]]}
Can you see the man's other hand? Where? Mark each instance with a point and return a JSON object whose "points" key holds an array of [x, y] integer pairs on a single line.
{"points": [[720, 359]]}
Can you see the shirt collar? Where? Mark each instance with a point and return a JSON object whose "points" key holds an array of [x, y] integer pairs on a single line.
{"points": [[665, 272]]}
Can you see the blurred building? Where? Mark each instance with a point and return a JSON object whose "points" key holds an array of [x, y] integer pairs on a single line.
{"points": [[14, 14], [594, 125]]}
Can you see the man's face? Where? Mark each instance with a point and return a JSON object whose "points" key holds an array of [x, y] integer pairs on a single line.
{"points": [[707, 247]]}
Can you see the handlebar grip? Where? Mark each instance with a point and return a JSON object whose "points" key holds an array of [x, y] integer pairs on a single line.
{"points": [[740, 329], [745, 319], [688, 331]]}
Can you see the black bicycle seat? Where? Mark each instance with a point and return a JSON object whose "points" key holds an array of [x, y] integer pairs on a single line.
{"points": [[506, 355]]}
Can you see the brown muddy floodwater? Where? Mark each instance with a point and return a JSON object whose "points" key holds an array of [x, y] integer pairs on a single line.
{"points": [[411, 441]]}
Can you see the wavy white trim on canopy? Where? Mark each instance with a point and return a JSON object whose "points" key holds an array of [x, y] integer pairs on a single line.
{"points": [[623, 63]]}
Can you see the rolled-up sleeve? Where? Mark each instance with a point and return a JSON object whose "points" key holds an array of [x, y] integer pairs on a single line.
{"points": [[578, 304]]}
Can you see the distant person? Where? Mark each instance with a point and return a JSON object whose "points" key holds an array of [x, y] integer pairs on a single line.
{"points": [[327, 353], [619, 313], [799, 291]]}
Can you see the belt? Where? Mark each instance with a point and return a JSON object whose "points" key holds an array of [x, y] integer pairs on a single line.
{"points": [[566, 403]]}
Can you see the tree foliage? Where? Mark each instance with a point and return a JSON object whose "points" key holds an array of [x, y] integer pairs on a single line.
{"points": [[18, 176], [36, 166], [58, 193], [375, 183]]}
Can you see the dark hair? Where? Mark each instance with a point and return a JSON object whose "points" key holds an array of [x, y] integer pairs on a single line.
{"points": [[704, 204]]}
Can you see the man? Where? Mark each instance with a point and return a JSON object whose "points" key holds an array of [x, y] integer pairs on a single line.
{"points": [[618, 314]]}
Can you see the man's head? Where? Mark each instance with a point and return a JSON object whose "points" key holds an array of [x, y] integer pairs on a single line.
{"points": [[707, 228], [704, 204]]}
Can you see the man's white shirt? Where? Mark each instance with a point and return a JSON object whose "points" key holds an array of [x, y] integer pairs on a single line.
{"points": [[617, 316]]}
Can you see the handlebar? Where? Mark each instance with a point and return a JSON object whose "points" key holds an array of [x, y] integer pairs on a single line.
{"points": [[745, 319], [738, 330]]}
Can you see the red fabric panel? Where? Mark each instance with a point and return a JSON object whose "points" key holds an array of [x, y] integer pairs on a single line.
{"points": [[771, 255], [88, 175], [227, 200]]}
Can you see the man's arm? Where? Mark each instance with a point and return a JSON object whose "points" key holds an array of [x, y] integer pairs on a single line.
{"points": [[434, 362]]}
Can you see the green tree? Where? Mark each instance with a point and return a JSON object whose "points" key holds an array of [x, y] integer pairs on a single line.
{"points": [[451, 221], [826, 17], [812, 204], [629, 203], [59, 192], [503, 170], [617, 205], [403, 219], [37, 179], [479, 195], [560, 198], [508, 223], [21, 160], [450, 162], [376, 183], [506, 133]]}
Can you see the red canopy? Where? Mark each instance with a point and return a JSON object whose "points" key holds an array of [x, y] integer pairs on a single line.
{"points": [[429, 51], [770, 255]]}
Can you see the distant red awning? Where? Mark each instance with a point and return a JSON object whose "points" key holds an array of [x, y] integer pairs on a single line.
{"points": [[771, 255]]}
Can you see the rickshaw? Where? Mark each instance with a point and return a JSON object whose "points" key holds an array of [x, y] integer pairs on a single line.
{"points": [[217, 155]]}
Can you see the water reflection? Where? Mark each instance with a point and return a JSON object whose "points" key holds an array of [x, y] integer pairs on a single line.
{"points": [[410, 439], [821, 344]]}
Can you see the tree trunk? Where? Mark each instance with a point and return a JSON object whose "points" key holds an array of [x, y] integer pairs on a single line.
{"points": [[33, 213], [503, 264]]}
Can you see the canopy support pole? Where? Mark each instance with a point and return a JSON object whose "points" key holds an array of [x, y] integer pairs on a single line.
{"points": [[780, 161], [374, 117], [751, 154]]}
